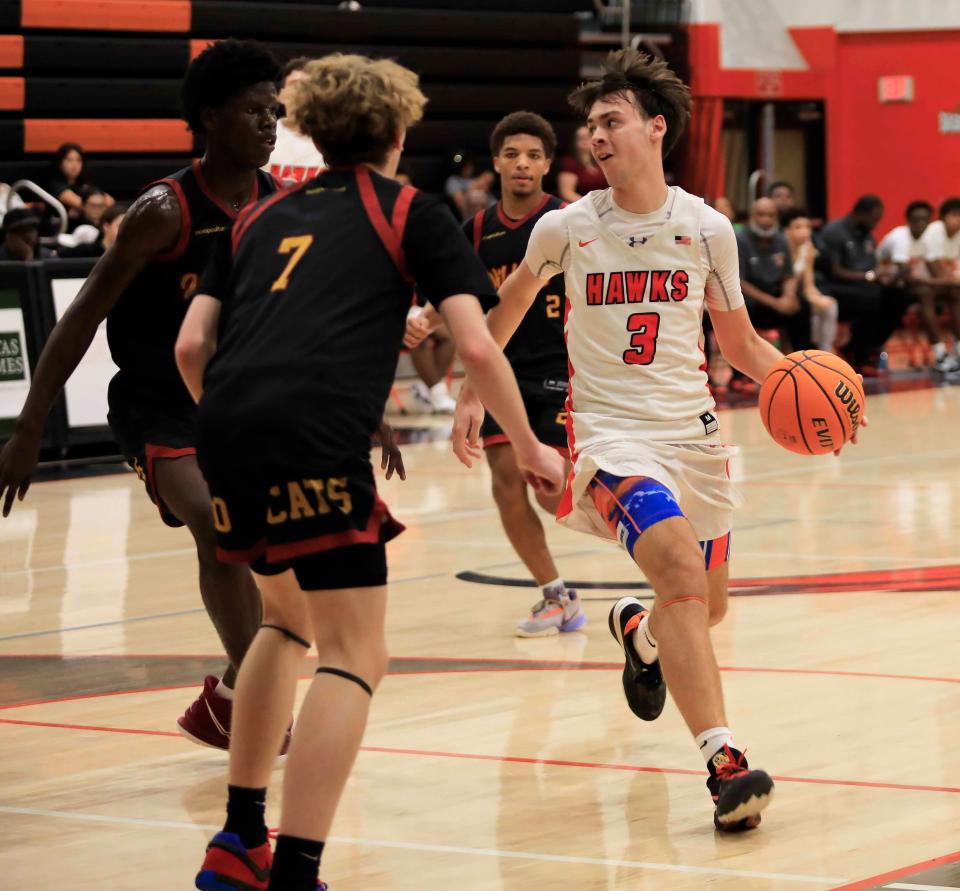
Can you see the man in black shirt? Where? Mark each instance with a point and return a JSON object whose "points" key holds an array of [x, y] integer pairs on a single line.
{"points": [[21, 237], [867, 298], [766, 276], [293, 343], [141, 286]]}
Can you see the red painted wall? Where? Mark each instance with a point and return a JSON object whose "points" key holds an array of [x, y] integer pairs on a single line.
{"points": [[895, 150]]}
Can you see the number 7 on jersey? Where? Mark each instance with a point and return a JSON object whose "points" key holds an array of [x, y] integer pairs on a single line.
{"points": [[297, 245]]}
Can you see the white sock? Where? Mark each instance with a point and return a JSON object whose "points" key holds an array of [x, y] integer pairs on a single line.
{"points": [[939, 350], [713, 740], [439, 389], [223, 691], [644, 643], [555, 587]]}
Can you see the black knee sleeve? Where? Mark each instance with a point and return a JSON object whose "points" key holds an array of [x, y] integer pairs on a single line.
{"points": [[289, 635], [346, 675]]}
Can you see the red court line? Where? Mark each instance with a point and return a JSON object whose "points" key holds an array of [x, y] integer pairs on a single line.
{"points": [[894, 874], [517, 759]]}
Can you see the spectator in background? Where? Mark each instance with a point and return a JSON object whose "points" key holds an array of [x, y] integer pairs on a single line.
{"points": [[294, 158], [797, 230], [767, 278], [67, 179], [21, 237], [725, 206], [92, 207], [942, 242], [868, 299], [106, 236], [903, 247], [578, 172], [782, 195], [468, 190]]}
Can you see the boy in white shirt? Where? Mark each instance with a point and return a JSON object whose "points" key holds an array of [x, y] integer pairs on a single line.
{"points": [[294, 157], [942, 242], [641, 261]]}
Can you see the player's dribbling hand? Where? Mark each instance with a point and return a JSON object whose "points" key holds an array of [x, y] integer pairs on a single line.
{"points": [[18, 460], [467, 420], [416, 331], [855, 439], [391, 459], [543, 469]]}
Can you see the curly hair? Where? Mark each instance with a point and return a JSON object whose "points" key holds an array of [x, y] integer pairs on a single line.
{"points": [[221, 71], [656, 89], [529, 124], [353, 107]]}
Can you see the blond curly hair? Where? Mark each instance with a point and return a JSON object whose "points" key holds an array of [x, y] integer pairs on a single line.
{"points": [[354, 107]]}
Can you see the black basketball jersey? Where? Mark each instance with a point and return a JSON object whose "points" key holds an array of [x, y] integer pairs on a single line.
{"points": [[537, 351], [142, 327], [315, 298]]}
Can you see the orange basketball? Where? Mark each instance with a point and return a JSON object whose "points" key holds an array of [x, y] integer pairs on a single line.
{"points": [[811, 402]]}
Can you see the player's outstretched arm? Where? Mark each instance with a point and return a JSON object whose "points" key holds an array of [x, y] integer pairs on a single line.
{"points": [[740, 344], [150, 227], [197, 342], [517, 294], [496, 386]]}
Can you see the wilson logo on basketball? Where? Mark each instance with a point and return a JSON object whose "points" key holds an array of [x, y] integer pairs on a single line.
{"points": [[849, 400]]}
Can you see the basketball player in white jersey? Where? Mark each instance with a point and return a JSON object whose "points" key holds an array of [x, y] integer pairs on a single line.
{"points": [[641, 260], [294, 158]]}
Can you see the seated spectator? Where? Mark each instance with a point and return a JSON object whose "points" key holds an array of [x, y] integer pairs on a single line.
{"points": [[21, 237], [468, 190], [76, 246], [67, 179], [942, 242], [294, 157], [93, 204], [578, 173], [782, 195], [868, 297], [725, 206], [768, 281], [803, 253]]}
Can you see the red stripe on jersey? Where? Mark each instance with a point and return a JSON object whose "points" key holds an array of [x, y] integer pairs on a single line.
{"points": [[252, 211], [478, 229], [185, 223], [226, 208], [401, 210], [565, 507], [516, 224], [389, 237]]}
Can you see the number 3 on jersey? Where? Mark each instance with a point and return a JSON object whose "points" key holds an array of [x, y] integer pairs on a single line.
{"points": [[296, 245], [646, 326]]}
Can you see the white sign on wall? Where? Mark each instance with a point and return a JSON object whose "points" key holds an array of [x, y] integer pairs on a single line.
{"points": [[86, 391], [14, 364]]}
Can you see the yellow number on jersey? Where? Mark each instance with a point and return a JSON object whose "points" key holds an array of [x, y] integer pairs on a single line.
{"points": [[553, 306], [296, 245]]}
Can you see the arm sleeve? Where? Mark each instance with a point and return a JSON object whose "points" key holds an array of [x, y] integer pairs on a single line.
{"points": [[440, 259], [213, 280], [721, 260], [548, 250]]}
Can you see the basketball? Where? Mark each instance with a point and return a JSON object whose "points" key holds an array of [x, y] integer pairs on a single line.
{"points": [[811, 402]]}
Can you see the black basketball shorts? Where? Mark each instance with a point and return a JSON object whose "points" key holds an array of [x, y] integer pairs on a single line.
{"points": [[545, 403]]}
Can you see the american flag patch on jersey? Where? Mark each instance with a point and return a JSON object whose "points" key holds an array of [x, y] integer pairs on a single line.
{"points": [[682, 239]]}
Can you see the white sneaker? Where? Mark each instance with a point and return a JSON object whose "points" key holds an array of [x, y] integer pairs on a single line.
{"points": [[441, 400], [421, 397], [946, 364]]}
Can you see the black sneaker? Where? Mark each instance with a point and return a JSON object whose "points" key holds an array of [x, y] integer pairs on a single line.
{"points": [[740, 794], [642, 684]]}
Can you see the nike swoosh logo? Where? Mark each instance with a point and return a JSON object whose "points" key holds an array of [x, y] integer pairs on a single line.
{"points": [[585, 243], [216, 723]]}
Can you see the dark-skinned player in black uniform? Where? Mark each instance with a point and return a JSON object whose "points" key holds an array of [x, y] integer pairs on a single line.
{"points": [[523, 146], [291, 346], [142, 286]]}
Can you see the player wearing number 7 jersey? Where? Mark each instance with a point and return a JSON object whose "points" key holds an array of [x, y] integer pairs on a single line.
{"points": [[640, 261]]}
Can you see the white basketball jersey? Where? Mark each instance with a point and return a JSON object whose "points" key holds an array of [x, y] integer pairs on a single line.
{"points": [[634, 331]]}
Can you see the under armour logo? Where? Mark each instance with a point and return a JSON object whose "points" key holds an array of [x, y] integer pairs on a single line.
{"points": [[635, 241]]}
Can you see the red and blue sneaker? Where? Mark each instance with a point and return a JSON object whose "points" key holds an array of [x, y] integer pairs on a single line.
{"points": [[229, 866]]}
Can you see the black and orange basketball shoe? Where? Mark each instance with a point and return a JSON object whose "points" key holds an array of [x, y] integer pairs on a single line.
{"points": [[738, 792], [643, 684]]}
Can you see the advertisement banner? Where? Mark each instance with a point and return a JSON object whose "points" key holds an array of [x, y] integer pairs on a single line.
{"points": [[14, 365]]}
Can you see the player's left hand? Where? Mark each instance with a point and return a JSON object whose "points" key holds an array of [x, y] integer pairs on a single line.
{"points": [[545, 470], [416, 331], [391, 458], [467, 420], [855, 439]]}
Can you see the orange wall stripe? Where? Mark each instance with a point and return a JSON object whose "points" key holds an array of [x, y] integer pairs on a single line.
{"points": [[11, 93], [198, 46], [11, 51], [42, 135], [107, 15]]}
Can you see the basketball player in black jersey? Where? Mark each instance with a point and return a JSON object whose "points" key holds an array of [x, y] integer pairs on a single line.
{"points": [[292, 343], [142, 286], [523, 146]]}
